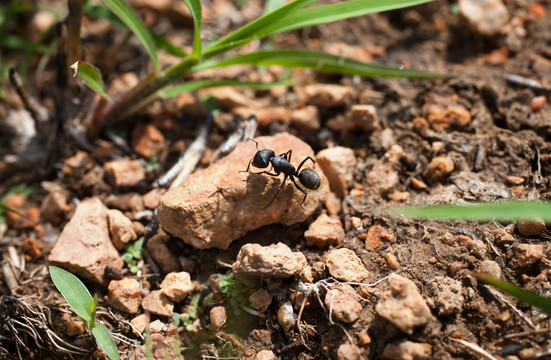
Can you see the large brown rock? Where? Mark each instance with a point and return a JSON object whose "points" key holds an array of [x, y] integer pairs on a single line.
{"points": [[215, 206], [84, 246]]}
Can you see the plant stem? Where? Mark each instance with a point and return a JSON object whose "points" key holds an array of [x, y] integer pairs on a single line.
{"points": [[125, 106]]}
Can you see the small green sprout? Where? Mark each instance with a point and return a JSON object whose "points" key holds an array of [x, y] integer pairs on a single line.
{"points": [[151, 164], [132, 252], [235, 292], [80, 300], [190, 319]]}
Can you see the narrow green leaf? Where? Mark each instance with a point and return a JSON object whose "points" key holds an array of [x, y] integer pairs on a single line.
{"points": [[251, 29], [324, 14], [91, 76], [320, 61], [525, 296], [93, 306], [194, 7], [272, 5], [175, 90], [74, 291], [162, 43], [101, 12], [127, 15], [17, 43], [105, 341], [216, 49], [3, 208], [502, 211]]}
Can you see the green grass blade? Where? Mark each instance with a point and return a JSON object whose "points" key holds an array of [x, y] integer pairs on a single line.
{"points": [[4, 208], [333, 12], [194, 7], [161, 42], [272, 5], [74, 291], [250, 30], [91, 76], [202, 84], [525, 296], [320, 61], [17, 43], [216, 49], [100, 12], [503, 211], [127, 15], [105, 341], [93, 307]]}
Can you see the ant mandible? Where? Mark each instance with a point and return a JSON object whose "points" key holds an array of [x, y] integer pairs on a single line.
{"points": [[282, 164]]}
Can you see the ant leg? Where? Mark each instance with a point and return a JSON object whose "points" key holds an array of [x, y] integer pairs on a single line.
{"points": [[300, 189], [287, 155], [302, 163], [248, 166], [267, 173], [277, 192], [256, 142]]}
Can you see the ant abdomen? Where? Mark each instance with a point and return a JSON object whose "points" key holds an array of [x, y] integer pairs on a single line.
{"points": [[310, 179]]}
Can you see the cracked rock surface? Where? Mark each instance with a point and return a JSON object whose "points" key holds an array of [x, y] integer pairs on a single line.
{"points": [[215, 206]]}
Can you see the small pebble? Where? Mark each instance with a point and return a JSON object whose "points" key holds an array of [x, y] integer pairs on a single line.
{"points": [[343, 304], [420, 125], [525, 255], [348, 352], [486, 17], [217, 317], [125, 295], [177, 286], [456, 266], [439, 167], [147, 140], [265, 355], [407, 350], [491, 268], [448, 297], [356, 222], [515, 180], [140, 323], [157, 326], [531, 228], [418, 184], [344, 264], [378, 236], [338, 164], [363, 338], [125, 172], [538, 102], [392, 261], [403, 305], [157, 303], [325, 231], [443, 117], [260, 300]]}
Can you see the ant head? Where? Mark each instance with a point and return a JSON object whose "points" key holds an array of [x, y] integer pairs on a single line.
{"points": [[262, 158]]}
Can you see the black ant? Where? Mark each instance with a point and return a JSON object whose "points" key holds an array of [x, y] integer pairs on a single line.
{"points": [[282, 164]]}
